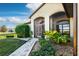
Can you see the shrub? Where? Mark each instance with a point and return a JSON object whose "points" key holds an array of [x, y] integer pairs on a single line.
{"points": [[12, 35], [45, 50], [43, 42], [23, 31], [57, 37], [64, 38], [9, 36]]}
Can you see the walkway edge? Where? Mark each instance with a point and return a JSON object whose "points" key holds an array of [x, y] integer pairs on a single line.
{"points": [[25, 49]]}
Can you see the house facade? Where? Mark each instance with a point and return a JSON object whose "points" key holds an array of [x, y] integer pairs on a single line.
{"points": [[55, 16], [51, 17]]}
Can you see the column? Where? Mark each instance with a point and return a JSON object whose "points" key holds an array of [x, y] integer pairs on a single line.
{"points": [[32, 27], [78, 30], [46, 23], [71, 27], [75, 27]]}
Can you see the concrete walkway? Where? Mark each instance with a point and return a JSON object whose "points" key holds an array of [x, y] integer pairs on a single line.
{"points": [[25, 39], [25, 49]]}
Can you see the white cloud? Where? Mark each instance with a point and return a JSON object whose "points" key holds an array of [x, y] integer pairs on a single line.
{"points": [[15, 20], [33, 6], [2, 19]]}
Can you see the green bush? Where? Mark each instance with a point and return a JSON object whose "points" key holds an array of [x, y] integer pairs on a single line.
{"points": [[57, 37], [12, 35], [45, 50], [43, 42], [9, 36], [23, 31]]}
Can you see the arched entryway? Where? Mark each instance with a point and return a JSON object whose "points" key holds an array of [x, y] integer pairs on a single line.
{"points": [[39, 27], [59, 22]]}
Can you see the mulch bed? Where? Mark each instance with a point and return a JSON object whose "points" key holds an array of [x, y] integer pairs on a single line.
{"points": [[61, 49]]}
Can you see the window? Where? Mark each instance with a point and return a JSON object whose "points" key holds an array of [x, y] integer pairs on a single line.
{"points": [[63, 27]]}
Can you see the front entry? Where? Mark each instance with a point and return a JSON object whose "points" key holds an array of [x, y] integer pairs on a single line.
{"points": [[39, 27]]}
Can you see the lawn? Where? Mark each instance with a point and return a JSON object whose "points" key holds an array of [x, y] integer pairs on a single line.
{"points": [[7, 46], [4, 35]]}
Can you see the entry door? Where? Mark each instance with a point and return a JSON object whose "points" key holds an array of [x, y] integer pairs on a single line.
{"points": [[39, 29]]}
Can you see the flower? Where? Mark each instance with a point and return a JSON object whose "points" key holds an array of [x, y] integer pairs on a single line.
{"points": [[54, 32]]}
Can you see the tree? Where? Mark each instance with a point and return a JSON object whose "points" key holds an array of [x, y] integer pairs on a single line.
{"points": [[3, 28], [23, 31]]}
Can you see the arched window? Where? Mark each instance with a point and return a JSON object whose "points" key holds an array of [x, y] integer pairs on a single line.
{"points": [[63, 27]]}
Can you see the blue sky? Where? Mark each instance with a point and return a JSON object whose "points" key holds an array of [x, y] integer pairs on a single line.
{"points": [[12, 14], [13, 9]]}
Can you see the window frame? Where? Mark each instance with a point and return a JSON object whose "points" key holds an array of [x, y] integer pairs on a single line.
{"points": [[59, 23]]}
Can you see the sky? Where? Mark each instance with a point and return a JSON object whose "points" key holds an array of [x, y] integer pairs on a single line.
{"points": [[12, 14]]}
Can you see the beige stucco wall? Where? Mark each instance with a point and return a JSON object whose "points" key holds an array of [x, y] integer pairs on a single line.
{"points": [[46, 11]]}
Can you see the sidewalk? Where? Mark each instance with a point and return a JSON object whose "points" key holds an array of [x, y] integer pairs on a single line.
{"points": [[25, 49]]}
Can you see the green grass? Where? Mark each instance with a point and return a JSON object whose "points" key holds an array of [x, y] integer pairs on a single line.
{"points": [[4, 35], [7, 46]]}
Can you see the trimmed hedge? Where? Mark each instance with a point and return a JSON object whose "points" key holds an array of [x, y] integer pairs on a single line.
{"points": [[23, 31]]}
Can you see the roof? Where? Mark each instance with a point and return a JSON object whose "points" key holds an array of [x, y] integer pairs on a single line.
{"points": [[28, 21]]}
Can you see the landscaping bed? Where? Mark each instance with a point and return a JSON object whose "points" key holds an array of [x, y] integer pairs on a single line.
{"points": [[7, 46], [61, 50], [55, 44]]}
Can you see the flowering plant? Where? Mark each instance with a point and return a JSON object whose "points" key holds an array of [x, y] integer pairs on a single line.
{"points": [[56, 36]]}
